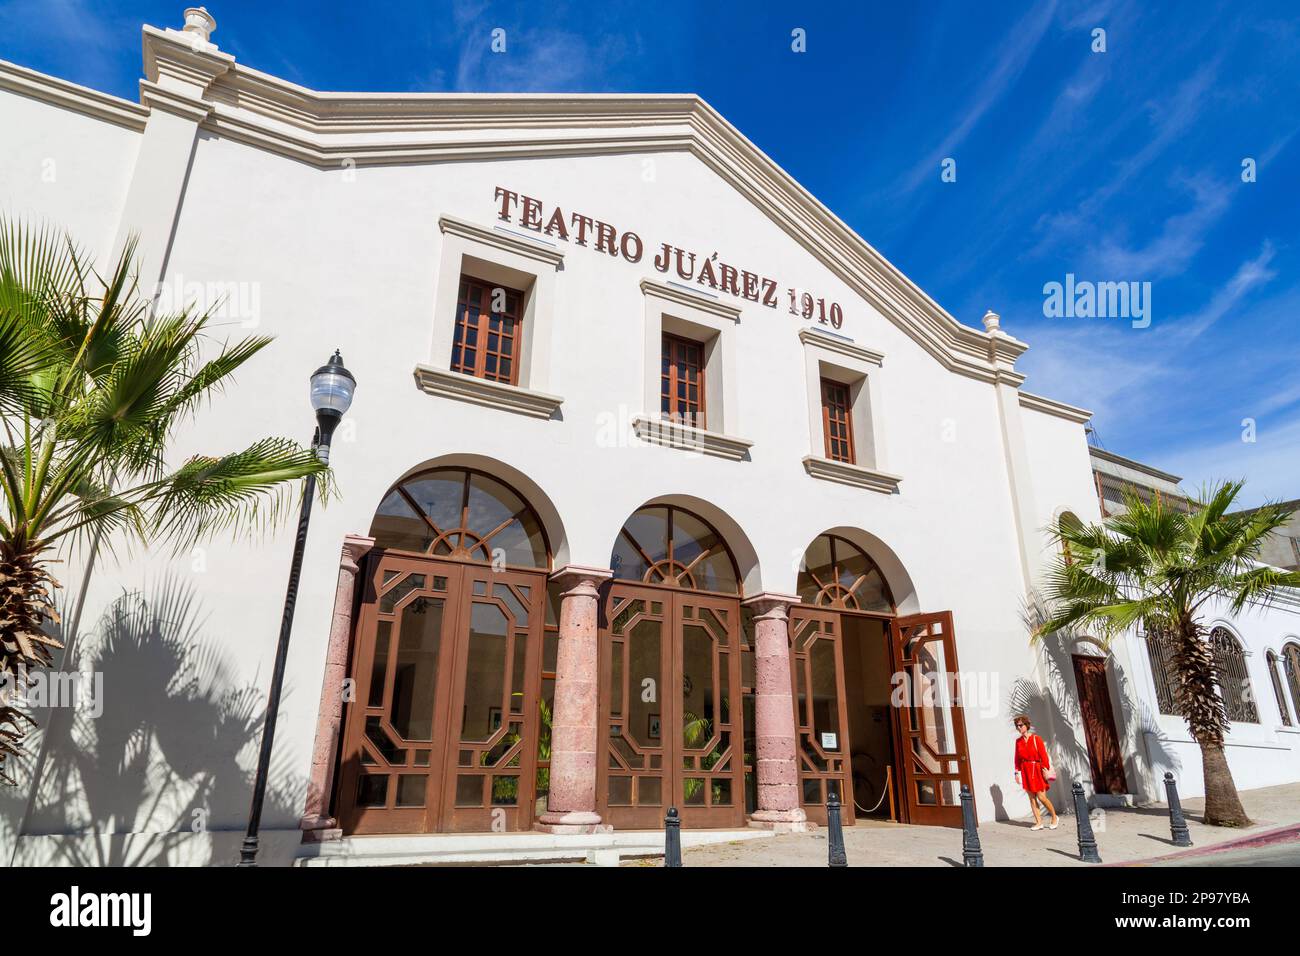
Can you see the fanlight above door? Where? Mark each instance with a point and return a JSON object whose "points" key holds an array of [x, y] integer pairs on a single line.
{"points": [[837, 573], [462, 515], [668, 546]]}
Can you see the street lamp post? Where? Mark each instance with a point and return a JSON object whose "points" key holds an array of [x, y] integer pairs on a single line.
{"points": [[332, 387]]}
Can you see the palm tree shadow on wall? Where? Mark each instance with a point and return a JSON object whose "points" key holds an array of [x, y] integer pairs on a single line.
{"points": [[1055, 714], [172, 752]]}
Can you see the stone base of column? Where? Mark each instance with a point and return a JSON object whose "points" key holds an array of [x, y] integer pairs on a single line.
{"points": [[319, 829], [781, 821], [575, 821]]}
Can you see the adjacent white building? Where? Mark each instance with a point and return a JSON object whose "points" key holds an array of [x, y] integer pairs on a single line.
{"points": [[656, 476]]}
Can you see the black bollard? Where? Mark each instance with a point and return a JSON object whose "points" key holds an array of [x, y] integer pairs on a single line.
{"points": [[1177, 822], [672, 838], [835, 832], [1087, 842], [971, 853]]}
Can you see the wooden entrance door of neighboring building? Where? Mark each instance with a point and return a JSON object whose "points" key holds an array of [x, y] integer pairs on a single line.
{"points": [[671, 707], [934, 757], [1104, 752]]}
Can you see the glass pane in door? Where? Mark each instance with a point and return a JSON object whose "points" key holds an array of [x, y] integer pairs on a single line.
{"points": [[486, 673], [419, 644]]}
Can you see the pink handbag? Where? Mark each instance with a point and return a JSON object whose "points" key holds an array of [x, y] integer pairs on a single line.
{"points": [[1048, 773]]}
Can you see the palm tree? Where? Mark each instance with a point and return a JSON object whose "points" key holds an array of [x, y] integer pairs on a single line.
{"points": [[1159, 566], [92, 386]]}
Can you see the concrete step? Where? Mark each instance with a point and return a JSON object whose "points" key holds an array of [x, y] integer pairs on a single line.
{"points": [[432, 849]]}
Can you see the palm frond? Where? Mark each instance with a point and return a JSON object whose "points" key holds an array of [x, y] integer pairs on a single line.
{"points": [[243, 491]]}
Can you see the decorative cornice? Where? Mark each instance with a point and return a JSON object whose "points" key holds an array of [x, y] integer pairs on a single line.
{"points": [[691, 300], [581, 578], [848, 474], [1115, 459], [79, 99], [501, 240], [770, 604], [841, 347], [670, 434], [328, 129], [173, 101], [1049, 406], [183, 61], [355, 547], [479, 391]]}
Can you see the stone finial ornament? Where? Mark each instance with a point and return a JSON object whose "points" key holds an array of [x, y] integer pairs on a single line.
{"points": [[198, 21], [992, 321]]}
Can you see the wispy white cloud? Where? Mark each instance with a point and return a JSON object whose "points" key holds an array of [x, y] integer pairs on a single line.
{"points": [[535, 59], [1249, 276], [1180, 238], [1269, 464], [1168, 120], [1008, 61]]}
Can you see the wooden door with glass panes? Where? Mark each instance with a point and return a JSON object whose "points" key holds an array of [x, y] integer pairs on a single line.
{"points": [[393, 747], [821, 721], [672, 709], [934, 762], [491, 746], [442, 734]]}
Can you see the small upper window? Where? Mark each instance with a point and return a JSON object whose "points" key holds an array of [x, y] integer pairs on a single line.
{"points": [[837, 421], [487, 331], [681, 381]]}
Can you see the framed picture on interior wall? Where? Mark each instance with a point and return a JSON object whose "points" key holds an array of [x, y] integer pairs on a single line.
{"points": [[494, 718], [652, 727]]}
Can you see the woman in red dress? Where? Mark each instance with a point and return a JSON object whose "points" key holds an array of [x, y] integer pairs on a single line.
{"points": [[1031, 767]]}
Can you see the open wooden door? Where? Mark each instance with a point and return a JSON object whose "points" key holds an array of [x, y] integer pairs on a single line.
{"points": [[934, 761]]}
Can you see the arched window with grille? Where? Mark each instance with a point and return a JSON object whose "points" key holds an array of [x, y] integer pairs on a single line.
{"points": [[1068, 521], [1234, 682], [1278, 694], [1160, 654], [1291, 670]]}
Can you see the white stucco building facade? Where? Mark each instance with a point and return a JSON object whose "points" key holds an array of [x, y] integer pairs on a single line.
{"points": [[355, 221]]}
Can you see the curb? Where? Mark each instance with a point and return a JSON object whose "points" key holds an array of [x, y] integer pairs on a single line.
{"points": [[1266, 838]]}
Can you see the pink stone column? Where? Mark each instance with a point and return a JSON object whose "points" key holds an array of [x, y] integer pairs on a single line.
{"points": [[316, 823], [571, 806], [774, 728]]}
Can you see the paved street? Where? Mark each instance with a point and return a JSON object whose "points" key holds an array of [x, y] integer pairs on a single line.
{"points": [[1123, 836]]}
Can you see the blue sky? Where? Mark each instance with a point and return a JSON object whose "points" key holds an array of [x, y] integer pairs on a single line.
{"points": [[1123, 165]]}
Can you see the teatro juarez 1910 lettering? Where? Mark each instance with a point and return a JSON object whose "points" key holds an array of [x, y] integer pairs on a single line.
{"points": [[530, 213]]}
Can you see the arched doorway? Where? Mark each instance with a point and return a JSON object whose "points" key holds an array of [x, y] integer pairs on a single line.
{"points": [[670, 680], [877, 708], [442, 733]]}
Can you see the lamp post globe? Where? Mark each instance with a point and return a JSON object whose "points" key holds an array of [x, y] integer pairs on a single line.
{"points": [[332, 388]]}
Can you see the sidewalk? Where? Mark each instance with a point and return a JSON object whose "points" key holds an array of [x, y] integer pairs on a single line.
{"points": [[1123, 836]]}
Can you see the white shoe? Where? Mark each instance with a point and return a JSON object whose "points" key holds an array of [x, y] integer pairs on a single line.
{"points": [[1054, 824], [1036, 826]]}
